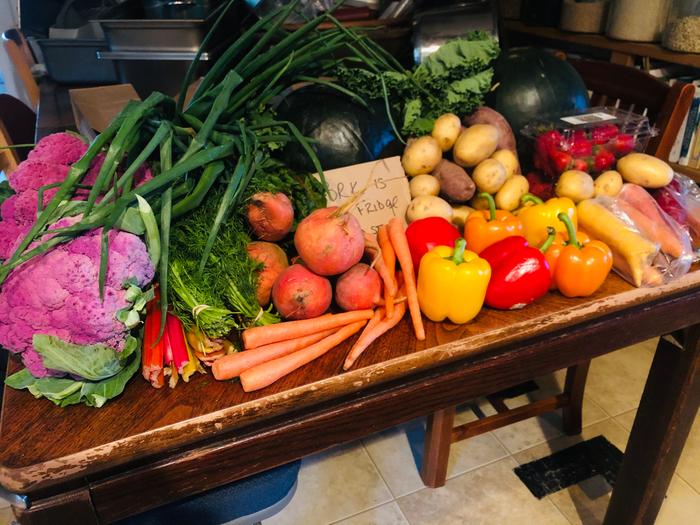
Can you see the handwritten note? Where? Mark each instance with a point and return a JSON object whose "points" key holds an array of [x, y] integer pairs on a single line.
{"points": [[386, 196]]}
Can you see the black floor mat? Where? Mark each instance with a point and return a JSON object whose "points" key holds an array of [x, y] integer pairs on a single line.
{"points": [[572, 465]]}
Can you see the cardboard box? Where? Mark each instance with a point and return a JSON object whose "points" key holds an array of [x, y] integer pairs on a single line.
{"points": [[387, 194], [94, 108]]}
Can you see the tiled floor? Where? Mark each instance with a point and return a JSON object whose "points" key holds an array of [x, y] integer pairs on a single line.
{"points": [[375, 482]]}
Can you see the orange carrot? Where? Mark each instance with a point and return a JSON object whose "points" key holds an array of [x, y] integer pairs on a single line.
{"points": [[264, 335], [232, 365], [370, 335], [390, 261], [265, 374], [403, 254], [373, 248]]}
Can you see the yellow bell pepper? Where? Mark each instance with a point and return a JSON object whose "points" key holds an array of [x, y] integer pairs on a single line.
{"points": [[536, 219], [452, 283]]}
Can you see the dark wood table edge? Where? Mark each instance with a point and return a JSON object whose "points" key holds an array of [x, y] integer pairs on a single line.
{"points": [[319, 427], [40, 477]]}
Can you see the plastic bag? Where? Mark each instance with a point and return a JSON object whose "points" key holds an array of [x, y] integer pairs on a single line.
{"points": [[305, 10], [636, 208], [681, 200]]}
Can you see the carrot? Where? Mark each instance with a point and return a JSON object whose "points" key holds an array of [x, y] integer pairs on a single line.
{"points": [[369, 335], [390, 261], [378, 263], [403, 254], [232, 365], [265, 374], [263, 335]]}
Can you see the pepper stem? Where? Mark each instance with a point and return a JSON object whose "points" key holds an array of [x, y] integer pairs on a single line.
{"points": [[570, 230], [551, 232], [458, 254], [492, 204], [529, 197]]}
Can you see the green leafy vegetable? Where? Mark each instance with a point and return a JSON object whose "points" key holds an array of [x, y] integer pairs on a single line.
{"points": [[65, 391], [454, 79]]}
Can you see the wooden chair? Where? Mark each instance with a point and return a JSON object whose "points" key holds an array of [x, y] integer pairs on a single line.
{"points": [[17, 126], [18, 52], [612, 85]]}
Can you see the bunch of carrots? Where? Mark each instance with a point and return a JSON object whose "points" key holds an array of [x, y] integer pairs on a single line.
{"points": [[273, 351], [168, 355]]}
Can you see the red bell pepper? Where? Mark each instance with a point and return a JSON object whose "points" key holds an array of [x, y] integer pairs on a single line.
{"points": [[519, 274], [425, 234]]}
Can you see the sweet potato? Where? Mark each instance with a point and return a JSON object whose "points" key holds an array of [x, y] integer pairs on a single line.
{"points": [[455, 184]]}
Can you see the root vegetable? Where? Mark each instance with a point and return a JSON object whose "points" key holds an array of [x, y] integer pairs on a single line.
{"points": [[509, 160], [421, 156], [460, 215], [274, 262], [424, 185], [489, 176], [428, 206], [508, 197], [329, 241], [270, 215], [645, 170], [359, 288], [576, 185], [298, 293], [608, 183], [484, 115], [475, 144], [455, 183], [446, 129]]}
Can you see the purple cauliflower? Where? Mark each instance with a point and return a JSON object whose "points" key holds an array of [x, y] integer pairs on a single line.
{"points": [[48, 163], [59, 148], [57, 294]]}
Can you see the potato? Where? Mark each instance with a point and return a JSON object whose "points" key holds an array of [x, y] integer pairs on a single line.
{"points": [[479, 203], [484, 115], [460, 214], [608, 183], [475, 144], [508, 197], [421, 156], [509, 161], [455, 184], [645, 170], [575, 184], [446, 129], [423, 185], [489, 176], [428, 206]]}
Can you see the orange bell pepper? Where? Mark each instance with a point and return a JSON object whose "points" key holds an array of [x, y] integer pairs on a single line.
{"points": [[555, 244], [578, 270], [483, 228]]}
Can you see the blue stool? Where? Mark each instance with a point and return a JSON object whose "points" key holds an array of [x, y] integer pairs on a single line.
{"points": [[244, 502]]}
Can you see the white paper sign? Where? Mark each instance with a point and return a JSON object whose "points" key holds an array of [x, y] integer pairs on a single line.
{"points": [[386, 196]]}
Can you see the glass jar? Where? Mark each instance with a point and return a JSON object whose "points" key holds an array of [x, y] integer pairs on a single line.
{"points": [[637, 20], [683, 27]]}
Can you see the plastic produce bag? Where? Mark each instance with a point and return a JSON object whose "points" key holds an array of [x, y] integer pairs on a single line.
{"points": [[656, 248], [305, 10], [681, 200]]}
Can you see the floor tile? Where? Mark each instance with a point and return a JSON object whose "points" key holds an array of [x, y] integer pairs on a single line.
{"points": [[6, 516], [488, 495], [682, 504], [532, 431], [4, 503], [626, 419], [334, 485], [616, 380], [391, 452], [388, 514]]}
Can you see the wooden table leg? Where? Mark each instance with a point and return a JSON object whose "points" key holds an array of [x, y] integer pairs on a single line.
{"points": [[436, 451], [572, 413], [664, 419], [70, 507]]}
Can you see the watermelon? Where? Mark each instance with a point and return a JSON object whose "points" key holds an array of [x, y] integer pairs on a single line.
{"points": [[344, 132]]}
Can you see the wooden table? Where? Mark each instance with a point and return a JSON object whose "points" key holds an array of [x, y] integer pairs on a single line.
{"points": [[150, 447]]}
